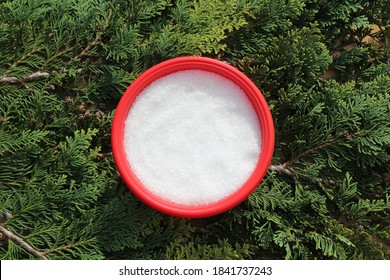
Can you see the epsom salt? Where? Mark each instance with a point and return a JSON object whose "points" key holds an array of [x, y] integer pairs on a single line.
{"points": [[192, 137]]}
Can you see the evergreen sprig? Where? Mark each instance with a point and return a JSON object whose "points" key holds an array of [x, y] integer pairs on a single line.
{"points": [[322, 65]]}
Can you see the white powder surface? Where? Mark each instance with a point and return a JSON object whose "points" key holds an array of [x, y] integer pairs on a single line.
{"points": [[192, 137]]}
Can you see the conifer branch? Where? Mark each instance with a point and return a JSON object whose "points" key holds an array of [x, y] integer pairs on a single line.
{"points": [[24, 56], [97, 38], [66, 247], [282, 169], [319, 147], [22, 243]]}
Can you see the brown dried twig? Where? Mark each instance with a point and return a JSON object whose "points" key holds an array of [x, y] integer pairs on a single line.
{"points": [[10, 235], [36, 76], [97, 38]]}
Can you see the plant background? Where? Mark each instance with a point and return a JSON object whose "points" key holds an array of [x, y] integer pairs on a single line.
{"points": [[322, 65]]}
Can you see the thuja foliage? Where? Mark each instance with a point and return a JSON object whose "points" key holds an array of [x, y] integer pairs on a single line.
{"points": [[322, 65]]}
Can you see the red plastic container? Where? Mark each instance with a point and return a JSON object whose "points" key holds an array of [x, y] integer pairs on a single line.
{"points": [[181, 64]]}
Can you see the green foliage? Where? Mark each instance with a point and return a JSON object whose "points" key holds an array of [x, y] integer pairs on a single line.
{"points": [[220, 251], [297, 58], [326, 77]]}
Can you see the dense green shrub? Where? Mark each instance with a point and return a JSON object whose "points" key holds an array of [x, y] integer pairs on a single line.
{"points": [[65, 64]]}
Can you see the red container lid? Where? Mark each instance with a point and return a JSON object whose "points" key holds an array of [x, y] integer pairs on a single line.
{"points": [[182, 64]]}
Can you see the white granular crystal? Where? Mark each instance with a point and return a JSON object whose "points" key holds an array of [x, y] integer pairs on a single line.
{"points": [[192, 137]]}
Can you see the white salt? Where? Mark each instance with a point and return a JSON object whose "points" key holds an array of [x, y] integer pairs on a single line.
{"points": [[192, 137]]}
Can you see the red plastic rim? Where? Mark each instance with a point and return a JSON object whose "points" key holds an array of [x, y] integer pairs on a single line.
{"points": [[181, 64]]}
